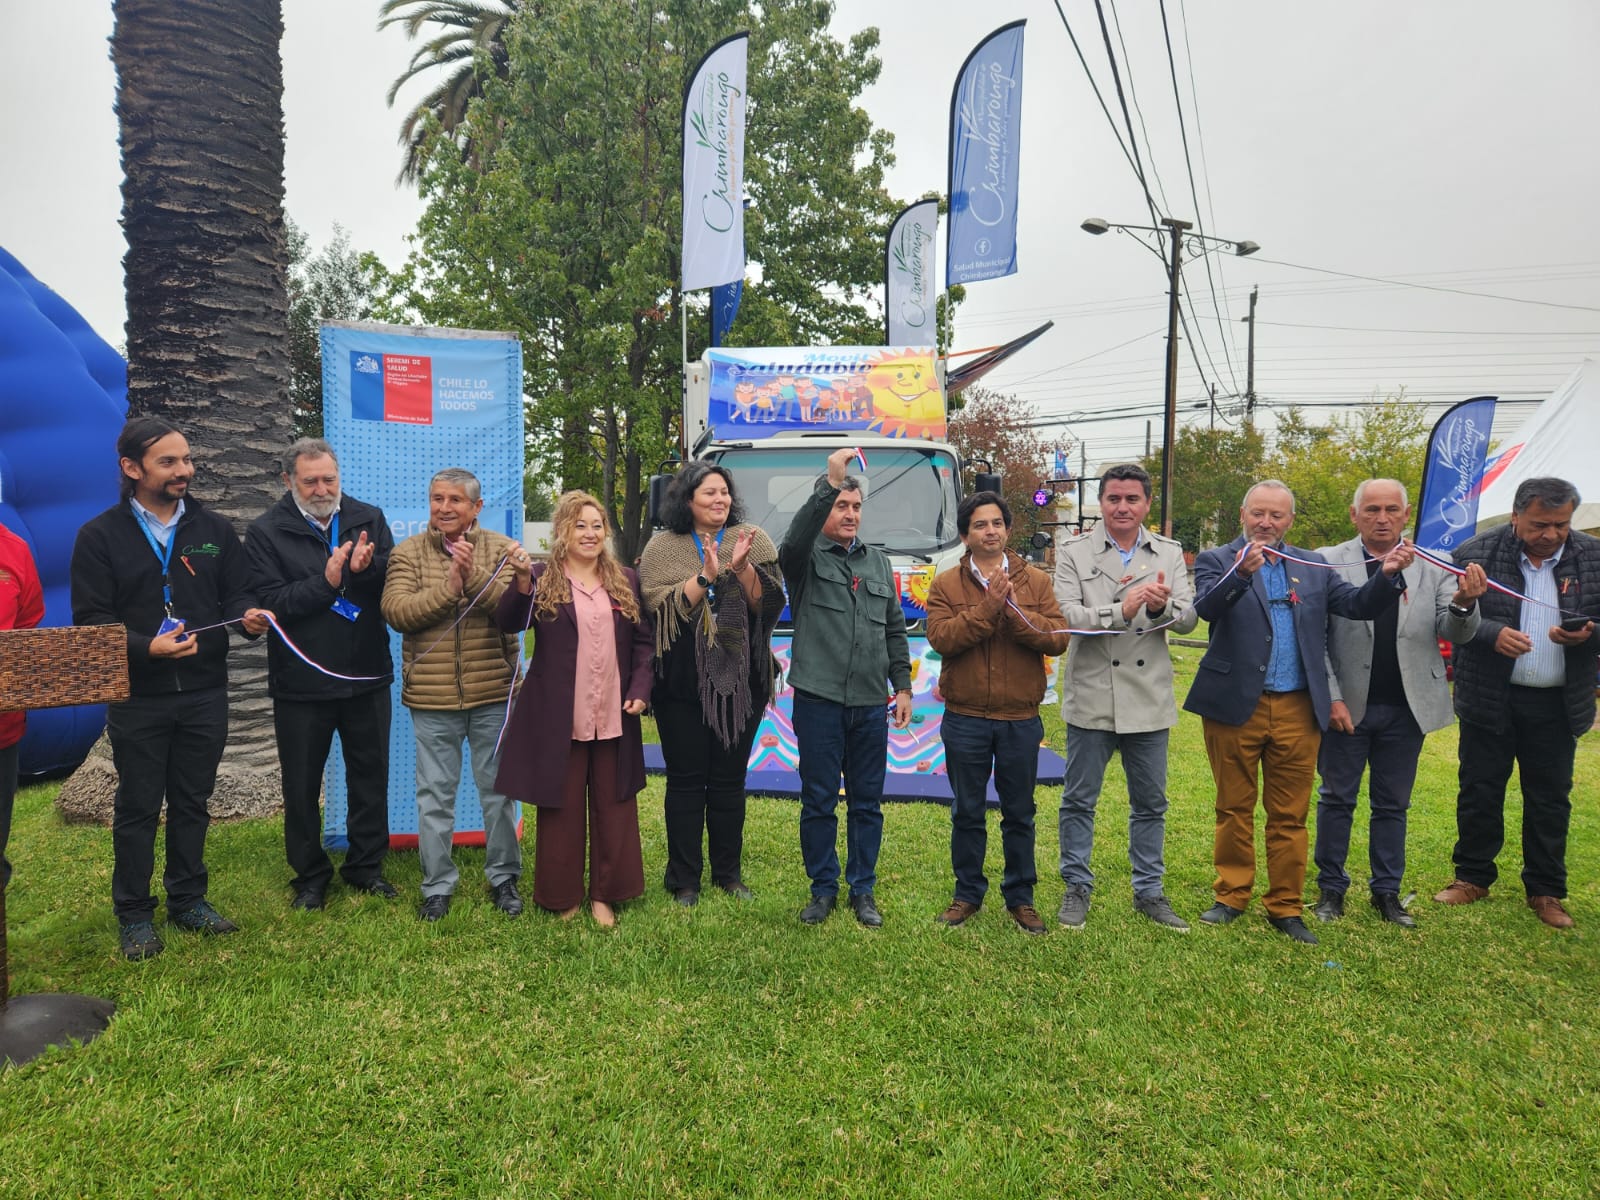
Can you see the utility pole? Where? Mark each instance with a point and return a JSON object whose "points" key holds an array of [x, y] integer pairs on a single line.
{"points": [[1147, 439], [1213, 408], [1250, 361], [1175, 231]]}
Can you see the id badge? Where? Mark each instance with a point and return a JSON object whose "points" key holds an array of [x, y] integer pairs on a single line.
{"points": [[345, 609], [168, 624]]}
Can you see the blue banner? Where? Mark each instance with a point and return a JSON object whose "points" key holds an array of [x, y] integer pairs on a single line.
{"points": [[1452, 474], [985, 145], [725, 299], [399, 404]]}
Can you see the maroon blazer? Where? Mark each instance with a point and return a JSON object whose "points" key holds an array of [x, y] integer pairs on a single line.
{"points": [[533, 760]]}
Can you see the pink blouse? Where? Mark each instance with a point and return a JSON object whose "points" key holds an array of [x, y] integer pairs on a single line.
{"points": [[597, 691]]}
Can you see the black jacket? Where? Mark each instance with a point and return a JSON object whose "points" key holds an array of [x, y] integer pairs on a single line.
{"points": [[1483, 676], [287, 560], [116, 579]]}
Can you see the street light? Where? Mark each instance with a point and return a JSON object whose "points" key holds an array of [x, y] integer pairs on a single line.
{"points": [[1177, 234]]}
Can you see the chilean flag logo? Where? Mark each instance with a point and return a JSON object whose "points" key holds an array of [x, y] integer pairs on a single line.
{"points": [[391, 387]]}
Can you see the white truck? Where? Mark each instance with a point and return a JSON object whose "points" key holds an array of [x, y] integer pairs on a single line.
{"points": [[772, 416]]}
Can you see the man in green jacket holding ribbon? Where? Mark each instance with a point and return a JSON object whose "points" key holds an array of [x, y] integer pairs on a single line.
{"points": [[849, 651]]}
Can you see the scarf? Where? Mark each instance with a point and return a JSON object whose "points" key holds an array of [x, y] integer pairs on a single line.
{"points": [[723, 627]]}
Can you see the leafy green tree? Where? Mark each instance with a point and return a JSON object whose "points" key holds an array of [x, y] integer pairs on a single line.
{"points": [[1212, 470], [334, 284], [537, 502], [1001, 429], [1323, 464], [468, 42], [565, 228]]}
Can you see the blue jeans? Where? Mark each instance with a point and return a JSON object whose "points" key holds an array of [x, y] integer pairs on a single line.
{"points": [[1389, 741], [835, 740], [1144, 762], [973, 748]]}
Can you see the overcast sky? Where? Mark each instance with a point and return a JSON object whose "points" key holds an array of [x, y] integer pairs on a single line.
{"points": [[1448, 143]]}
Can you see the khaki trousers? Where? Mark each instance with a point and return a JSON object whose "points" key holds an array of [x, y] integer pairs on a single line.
{"points": [[1273, 755]]}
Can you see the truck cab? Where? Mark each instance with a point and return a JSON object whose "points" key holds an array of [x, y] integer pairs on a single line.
{"points": [[798, 407]]}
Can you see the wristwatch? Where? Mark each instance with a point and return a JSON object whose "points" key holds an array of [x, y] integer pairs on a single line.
{"points": [[702, 581], [1462, 612]]}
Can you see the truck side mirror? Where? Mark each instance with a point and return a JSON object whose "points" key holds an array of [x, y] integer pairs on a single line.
{"points": [[987, 481], [658, 498]]}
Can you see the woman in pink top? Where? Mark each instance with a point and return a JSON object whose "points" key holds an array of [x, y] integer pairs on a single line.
{"points": [[572, 745]]}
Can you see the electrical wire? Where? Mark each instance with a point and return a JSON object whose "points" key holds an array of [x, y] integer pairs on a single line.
{"points": [[1428, 287], [1067, 25], [1194, 195], [1122, 101]]}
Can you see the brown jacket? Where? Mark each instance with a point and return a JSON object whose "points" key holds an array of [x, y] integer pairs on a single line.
{"points": [[993, 661], [468, 666]]}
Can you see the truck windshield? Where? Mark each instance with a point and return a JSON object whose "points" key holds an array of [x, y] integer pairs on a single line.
{"points": [[908, 503]]}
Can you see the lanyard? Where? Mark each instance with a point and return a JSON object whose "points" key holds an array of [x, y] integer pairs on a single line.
{"points": [[163, 556], [700, 546], [332, 536]]}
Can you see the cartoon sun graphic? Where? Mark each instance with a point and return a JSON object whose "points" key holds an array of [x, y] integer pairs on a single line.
{"points": [[905, 396], [917, 585]]}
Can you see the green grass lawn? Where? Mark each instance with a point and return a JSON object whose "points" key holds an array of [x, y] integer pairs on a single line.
{"points": [[730, 1051]]}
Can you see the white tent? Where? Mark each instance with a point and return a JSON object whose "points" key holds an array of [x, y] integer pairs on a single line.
{"points": [[1562, 438]]}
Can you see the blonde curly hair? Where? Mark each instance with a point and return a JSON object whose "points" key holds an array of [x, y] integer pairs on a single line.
{"points": [[553, 590]]}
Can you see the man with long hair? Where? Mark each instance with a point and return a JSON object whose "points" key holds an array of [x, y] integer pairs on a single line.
{"points": [[160, 563]]}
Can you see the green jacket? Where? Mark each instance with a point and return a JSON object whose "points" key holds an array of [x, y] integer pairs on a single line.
{"points": [[849, 630]]}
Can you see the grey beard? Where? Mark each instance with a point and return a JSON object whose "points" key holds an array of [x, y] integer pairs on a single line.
{"points": [[323, 509]]}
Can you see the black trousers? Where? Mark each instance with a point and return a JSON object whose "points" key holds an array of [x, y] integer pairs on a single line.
{"points": [[305, 731], [8, 794], [164, 747], [705, 794], [1542, 747]]}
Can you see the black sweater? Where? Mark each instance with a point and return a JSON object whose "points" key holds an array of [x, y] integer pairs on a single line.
{"points": [[116, 579], [287, 561]]}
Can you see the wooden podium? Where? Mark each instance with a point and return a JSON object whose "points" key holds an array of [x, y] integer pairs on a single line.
{"points": [[55, 668]]}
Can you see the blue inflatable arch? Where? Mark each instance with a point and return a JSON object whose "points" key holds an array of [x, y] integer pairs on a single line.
{"points": [[63, 398]]}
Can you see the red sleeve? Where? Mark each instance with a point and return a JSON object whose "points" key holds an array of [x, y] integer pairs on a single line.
{"points": [[17, 561]]}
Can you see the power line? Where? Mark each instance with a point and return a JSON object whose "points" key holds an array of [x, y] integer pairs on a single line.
{"points": [[1133, 94], [1122, 101], [1194, 195], [1112, 121], [1583, 333], [1086, 358], [1428, 287]]}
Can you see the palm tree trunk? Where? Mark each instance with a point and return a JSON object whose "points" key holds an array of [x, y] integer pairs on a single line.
{"points": [[200, 104]]}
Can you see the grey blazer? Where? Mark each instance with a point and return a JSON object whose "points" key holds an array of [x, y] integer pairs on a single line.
{"points": [[1120, 682], [1424, 618]]}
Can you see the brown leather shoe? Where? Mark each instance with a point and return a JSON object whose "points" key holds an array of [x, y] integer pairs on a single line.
{"points": [[1549, 910], [1461, 892], [1026, 918], [958, 912]]}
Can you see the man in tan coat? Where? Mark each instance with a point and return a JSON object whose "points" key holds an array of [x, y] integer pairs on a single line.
{"points": [[442, 590], [993, 619], [1116, 690]]}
